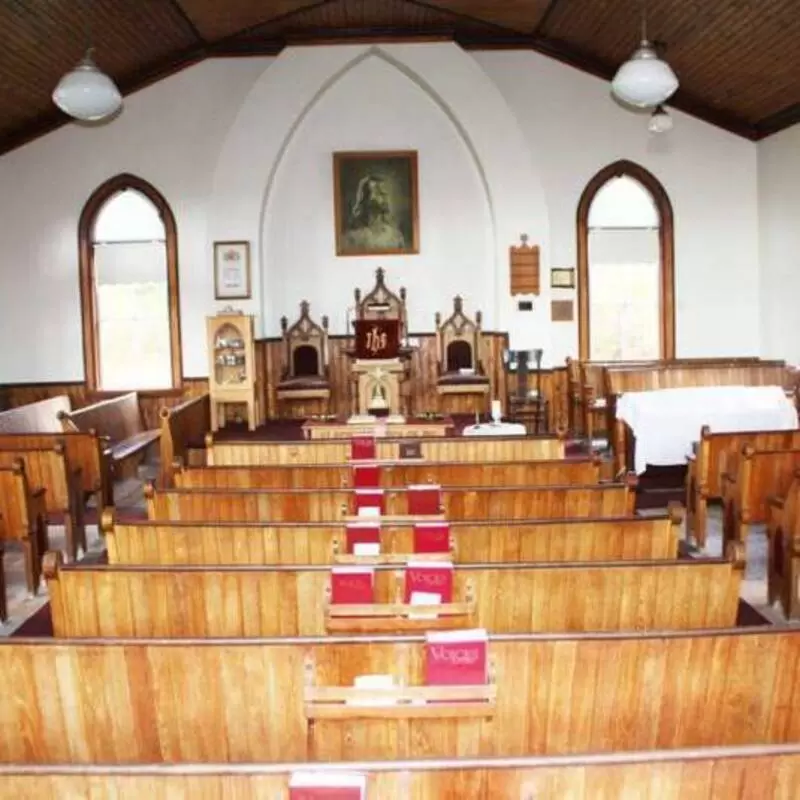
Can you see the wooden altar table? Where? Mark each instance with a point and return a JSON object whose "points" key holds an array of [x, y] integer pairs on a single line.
{"points": [[410, 429]]}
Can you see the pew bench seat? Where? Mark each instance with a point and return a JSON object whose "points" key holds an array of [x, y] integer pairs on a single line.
{"points": [[119, 421]]}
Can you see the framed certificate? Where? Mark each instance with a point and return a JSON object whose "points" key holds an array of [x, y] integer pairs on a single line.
{"points": [[562, 278], [232, 271]]}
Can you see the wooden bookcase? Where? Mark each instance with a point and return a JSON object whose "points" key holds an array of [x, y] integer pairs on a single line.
{"points": [[232, 378]]}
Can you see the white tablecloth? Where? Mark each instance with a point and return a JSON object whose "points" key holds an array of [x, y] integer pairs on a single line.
{"points": [[666, 422], [495, 429]]}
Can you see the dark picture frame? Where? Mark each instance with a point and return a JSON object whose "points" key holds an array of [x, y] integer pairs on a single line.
{"points": [[376, 202], [562, 278], [232, 271]]}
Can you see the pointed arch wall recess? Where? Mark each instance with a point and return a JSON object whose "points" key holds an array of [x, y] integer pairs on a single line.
{"points": [[666, 235]]}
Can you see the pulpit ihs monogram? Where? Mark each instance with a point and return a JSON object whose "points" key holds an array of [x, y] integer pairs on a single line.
{"points": [[379, 361]]}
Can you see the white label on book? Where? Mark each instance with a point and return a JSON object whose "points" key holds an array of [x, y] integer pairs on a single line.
{"points": [[369, 511], [372, 682], [367, 549], [424, 599], [328, 780]]}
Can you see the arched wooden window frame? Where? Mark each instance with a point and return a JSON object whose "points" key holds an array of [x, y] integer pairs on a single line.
{"points": [[666, 235], [86, 225]]}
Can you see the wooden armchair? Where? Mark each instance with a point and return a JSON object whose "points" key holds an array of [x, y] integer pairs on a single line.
{"points": [[460, 371], [305, 386]]}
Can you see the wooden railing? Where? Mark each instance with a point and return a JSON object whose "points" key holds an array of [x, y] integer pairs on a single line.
{"points": [[173, 542], [127, 702]]}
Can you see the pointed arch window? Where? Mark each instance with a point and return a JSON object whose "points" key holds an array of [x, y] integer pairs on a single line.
{"points": [[625, 267], [129, 288]]}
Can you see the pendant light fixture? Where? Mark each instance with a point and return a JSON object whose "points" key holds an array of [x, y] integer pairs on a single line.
{"points": [[85, 92], [660, 121], [644, 80]]}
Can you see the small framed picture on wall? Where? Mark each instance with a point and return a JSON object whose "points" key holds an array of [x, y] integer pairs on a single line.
{"points": [[562, 278], [232, 271]]}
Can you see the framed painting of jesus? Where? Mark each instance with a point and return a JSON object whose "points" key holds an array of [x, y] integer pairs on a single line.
{"points": [[376, 203]]}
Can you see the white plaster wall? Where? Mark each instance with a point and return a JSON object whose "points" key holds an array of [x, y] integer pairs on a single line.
{"points": [[507, 142], [779, 208], [376, 103], [169, 134], [575, 129]]}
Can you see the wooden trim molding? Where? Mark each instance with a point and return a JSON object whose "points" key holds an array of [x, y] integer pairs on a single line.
{"points": [[666, 246], [89, 214]]}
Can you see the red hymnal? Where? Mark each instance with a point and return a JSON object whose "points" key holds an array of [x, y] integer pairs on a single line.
{"points": [[368, 498], [327, 786], [352, 585], [432, 537], [456, 658], [424, 499], [361, 533], [429, 578], [366, 476], [362, 448]]}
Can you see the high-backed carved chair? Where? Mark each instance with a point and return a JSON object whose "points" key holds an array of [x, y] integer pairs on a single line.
{"points": [[458, 344], [305, 387], [382, 303]]}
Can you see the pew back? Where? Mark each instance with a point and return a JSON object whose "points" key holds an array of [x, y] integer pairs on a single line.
{"points": [[125, 702], [232, 602], [47, 468], [736, 773], [173, 542], [459, 503], [183, 427], [39, 417], [396, 474], [85, 451], [222, 453]]}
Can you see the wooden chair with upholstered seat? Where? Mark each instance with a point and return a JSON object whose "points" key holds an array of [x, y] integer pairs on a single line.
{"points": [[305, 388], [462, 385]]}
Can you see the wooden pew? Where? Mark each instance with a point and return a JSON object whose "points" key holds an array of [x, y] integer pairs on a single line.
{"points": [[747, 485], [709, 462], [700, 773], [459, 503], [167, 701], [37, 425], [783, 550], [183, 428], [51, 470], [397, 474], [209, 544], [3, 588], [175, 601], [472, 449], [119, 421], [24, 519], [673, 376]]}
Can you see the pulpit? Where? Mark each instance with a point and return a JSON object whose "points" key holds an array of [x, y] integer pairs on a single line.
{"points": [[379, 359]]}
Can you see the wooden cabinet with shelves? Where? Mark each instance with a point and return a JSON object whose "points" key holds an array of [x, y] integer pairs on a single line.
{"points": [[232, 373]]}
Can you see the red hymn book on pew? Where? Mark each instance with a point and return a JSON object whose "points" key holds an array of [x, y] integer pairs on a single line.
{"points": [[424, 499], [429, 582], [432, 537], [368, 498], [362, 533], [327, 786], [352, 585], [362, 448], [366, 476], [456, 658]]}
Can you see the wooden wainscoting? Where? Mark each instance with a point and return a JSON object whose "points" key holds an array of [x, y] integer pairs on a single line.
{"points": [[269, 364]]}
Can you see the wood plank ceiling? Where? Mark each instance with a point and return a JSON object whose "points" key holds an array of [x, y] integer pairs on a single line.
{"points": [[738, 60]]}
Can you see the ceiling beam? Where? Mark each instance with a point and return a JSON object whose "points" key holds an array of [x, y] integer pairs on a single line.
{"points": [[539, 30], [779, 121], [187, 21]]}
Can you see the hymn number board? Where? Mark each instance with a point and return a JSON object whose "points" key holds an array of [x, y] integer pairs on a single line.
{"points": [[377, 338]]}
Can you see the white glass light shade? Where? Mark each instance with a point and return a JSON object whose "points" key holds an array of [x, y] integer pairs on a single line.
{"points": [[87, 93], [660, 121], [644, 80]]}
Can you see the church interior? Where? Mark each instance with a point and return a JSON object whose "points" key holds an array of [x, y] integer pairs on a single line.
{"points": [[409, 400]]}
